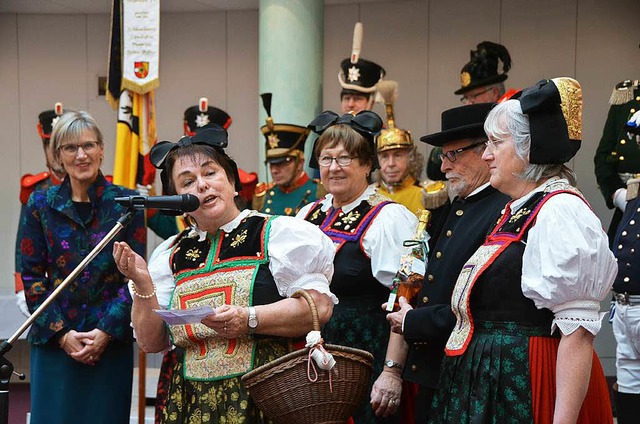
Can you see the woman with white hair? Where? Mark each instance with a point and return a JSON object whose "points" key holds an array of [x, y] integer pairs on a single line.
{"points": [[527, 302]]}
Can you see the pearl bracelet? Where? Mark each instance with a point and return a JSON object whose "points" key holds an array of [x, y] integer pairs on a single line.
{"points": [[143, 296]]}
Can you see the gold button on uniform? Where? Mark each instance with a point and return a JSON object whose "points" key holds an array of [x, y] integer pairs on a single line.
{"points": [[626, 279], [430, 277], [459, 212], [414, 367], [623, 141], [624, 233], [438, 255], [425, 299], [449, 232]]}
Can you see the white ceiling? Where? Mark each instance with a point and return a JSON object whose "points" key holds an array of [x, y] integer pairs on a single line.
{"points": [[104, 6]]}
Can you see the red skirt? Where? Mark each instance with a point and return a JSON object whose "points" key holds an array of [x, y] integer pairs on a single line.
{"points": [[596, 408]]}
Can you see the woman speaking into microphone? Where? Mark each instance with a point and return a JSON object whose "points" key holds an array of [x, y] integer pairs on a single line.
{"points": [[243, 264]]}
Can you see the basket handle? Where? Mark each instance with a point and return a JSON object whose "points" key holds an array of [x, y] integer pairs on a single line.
{"points": [[312, 306]]}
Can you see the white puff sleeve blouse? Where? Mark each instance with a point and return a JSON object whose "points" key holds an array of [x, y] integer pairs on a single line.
{"points": [[567, 265]]}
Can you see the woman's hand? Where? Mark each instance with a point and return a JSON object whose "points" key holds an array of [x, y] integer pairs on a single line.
{"points": [[229, 321], [87, 347], [386, 392], [132, 266]]}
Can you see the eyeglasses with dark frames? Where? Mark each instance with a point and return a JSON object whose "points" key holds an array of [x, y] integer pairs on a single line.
{"points": [[472, 97], [451, 154], [340, 160]]}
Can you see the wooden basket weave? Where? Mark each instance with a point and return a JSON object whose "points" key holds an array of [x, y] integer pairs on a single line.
{"points": [[283, 392]]}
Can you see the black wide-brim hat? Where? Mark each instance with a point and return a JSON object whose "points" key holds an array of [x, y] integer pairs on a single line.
{"points": [[460, 123]]}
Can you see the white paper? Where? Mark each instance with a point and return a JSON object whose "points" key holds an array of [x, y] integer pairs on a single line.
{"points": [[184, 316]]}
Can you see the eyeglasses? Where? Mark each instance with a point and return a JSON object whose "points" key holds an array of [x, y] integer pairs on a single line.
{"points": [[471, 97], [492, 144], [71, 149], [451, 154], [340, 160]]}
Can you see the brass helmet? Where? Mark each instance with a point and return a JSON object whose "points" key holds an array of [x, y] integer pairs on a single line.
{"points": [[391, 137]]}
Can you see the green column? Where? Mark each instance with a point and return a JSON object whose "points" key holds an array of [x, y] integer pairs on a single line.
{"points": [[290, 62]]}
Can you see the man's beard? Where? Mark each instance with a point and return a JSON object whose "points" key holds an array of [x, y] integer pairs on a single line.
{"points": [[457, 186]]}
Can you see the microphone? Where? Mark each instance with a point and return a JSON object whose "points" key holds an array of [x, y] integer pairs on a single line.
{"points": [[178, 203]]}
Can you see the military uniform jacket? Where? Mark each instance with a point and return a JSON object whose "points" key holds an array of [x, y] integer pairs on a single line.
{"points": [[408, 194], [280, 202], [427, 328], [626, 248], [617, 152]]}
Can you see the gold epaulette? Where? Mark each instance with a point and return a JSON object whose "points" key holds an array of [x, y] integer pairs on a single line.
{"points": [[434, 194], [320, 190], [258, 195], [262, 188], [623, 92]]}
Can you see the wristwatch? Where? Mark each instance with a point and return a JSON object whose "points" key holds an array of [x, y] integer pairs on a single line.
{"points": [[253, 320], [393, 364]]}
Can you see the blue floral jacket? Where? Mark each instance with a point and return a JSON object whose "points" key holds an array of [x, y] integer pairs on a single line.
{"points": [[55, 241]]}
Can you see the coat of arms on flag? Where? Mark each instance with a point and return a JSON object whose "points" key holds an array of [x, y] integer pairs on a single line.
{"points": [[141, 69]]}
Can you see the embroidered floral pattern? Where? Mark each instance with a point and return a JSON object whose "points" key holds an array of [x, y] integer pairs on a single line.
{"points": [[239, 238], [193, 254]]}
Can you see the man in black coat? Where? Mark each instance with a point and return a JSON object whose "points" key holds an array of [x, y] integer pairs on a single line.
{"points": [[473, 213]]}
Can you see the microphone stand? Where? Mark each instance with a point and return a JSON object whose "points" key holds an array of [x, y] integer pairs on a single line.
{"points": [[6, 367]]}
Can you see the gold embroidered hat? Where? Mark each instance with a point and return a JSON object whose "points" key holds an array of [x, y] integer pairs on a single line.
{"points": [[391, 137], [357, 75], [554, 108], [283, 142], [482, 68]]}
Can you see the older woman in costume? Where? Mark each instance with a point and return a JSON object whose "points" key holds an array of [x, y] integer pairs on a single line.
{"points": [[244, 264], [368, 231], [527, 302]]}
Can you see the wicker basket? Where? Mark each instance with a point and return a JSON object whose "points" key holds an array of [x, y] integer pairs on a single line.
{"points": [[283, 392]]}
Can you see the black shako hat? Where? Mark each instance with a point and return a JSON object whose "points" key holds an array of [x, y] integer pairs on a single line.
{"points": [[459, 123], [198, 116], [359, 76], [283, 142], [554, 108], [482, 69], [47, 119]]}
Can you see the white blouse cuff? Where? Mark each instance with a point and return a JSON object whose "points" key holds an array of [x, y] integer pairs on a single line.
{"points": [[316, 281], [580, 313]]}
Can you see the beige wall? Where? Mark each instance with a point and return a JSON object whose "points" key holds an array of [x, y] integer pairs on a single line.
{"points": [[422, 45]]}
